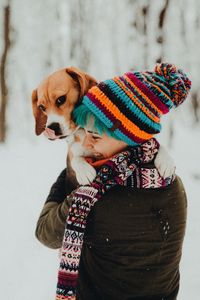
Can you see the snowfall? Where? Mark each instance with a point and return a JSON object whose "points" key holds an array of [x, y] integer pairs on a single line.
{"points": [[29, 269], [29, 165]]}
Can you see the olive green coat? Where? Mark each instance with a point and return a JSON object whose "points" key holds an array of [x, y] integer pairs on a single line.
{"points": [[133, 240]]}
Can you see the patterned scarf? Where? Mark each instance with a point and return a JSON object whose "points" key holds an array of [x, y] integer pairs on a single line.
{"points": [[119, 170]]}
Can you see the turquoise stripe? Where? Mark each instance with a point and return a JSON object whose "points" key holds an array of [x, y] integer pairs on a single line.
{"points": [[160, 95], [97, 112], [162, 86], [130, 105], [125, 138]]}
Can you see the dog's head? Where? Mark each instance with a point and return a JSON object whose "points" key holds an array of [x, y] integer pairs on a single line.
{"points": [[55, 99]]}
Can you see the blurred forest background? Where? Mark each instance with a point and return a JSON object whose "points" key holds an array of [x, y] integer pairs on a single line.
{"points": [[104, 38]]}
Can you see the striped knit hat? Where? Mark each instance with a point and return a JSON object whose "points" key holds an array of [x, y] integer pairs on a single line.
{"points": [[131, 105]]}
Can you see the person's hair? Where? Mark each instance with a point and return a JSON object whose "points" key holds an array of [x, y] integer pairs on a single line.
{"points": [[83, 116]]}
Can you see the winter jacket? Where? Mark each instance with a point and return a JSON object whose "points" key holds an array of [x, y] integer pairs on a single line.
{"points": [[132, 244]]}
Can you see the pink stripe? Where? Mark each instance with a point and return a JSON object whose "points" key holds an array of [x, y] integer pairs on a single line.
{"points": [[155, 99], [67, 279], [112, 118]]}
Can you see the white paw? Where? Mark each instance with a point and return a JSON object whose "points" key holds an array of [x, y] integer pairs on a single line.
{"points": [[164, 163], [85, 173]]}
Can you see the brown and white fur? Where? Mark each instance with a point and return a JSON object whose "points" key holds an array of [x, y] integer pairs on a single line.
{"points": [[53, 103]]}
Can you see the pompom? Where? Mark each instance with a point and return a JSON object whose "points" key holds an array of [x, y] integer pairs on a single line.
{"points": [[178, 82]]}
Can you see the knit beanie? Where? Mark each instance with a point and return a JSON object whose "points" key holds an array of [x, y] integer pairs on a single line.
{"points": [[130, 106]]}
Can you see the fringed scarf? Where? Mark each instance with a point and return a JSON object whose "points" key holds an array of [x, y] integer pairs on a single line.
{"points": [[119, 170]]}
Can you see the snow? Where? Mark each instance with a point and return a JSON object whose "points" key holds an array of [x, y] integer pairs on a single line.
{"points": [[105, 38], [28, 169], [27, 172]]}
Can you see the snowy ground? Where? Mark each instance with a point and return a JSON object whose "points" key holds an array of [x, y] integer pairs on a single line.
{"points": [[28, 269]]}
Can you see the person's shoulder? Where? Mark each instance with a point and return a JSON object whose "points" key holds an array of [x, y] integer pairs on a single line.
{"points": [[177, 184]]}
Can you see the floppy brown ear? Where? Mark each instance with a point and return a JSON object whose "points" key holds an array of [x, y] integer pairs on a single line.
{"points": [[84, 80], [40, 117]]}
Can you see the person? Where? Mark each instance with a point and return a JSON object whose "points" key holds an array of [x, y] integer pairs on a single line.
{"points": [[133, 238]]}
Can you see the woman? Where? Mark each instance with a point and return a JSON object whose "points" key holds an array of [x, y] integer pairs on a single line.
{"points": [[133, 240], [133, 237]]}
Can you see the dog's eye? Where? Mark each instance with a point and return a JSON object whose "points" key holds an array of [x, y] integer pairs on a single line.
{"points": [[41, 107], [60, 100]]}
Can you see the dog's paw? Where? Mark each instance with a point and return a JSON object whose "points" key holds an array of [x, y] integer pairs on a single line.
{"points": [[85, 173], [164, 163]]}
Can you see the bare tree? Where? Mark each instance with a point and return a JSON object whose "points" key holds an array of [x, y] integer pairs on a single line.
{"points": [[161, 21], [3, 86]]}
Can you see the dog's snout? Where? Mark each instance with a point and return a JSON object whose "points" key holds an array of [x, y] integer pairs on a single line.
{"points": [[56, 128]]}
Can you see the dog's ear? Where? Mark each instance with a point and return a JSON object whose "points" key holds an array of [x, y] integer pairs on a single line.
{"points": [[84, 80], [40, 117]]}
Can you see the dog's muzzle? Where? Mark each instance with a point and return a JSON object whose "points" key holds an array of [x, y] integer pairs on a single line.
{"points": [[56, 128]]}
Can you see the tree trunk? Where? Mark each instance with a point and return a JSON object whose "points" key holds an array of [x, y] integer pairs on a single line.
{"points": [[3, 86]]}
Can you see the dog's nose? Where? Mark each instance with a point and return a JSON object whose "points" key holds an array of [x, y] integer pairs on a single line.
{"points": [[56, 128]]}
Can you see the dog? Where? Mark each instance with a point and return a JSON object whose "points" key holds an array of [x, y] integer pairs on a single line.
{"points": [[53, 103]]}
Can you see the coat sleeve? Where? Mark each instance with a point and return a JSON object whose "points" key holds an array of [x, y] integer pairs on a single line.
{"points": [[51, 223]]}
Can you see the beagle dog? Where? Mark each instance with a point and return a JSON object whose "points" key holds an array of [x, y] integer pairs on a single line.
{"points": [[53, 103]]}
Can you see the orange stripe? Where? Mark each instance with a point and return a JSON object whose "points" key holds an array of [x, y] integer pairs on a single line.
{"points": [[158, 88], [97, 163], [138, 104], [113, 109], [143, 95]]}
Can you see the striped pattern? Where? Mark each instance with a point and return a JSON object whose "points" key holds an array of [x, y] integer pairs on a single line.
{"points": [[132, 105]]}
